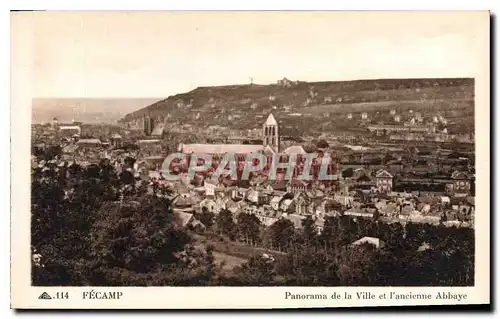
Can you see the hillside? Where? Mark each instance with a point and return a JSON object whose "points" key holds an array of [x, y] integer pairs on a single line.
{"points": [[296, 103]]}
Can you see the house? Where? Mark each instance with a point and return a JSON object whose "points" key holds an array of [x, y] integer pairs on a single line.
{"points": [[444, 200], [256, 196], [345, 200], [383, 180], [317, 207], [287, 205], [369, 240], [253, 196], [405, 211], [380, 203], [239, 193], [295, 186], [301, 204], [424, 246], [184, 220], [268, 217], [364, 181], [89, 142], [209, 188], [232, 206], [210, 205], [279, 186], [295, 219], [319, 223], [359, 212], [276, 200], [331, 206], [70, 148], [461, 183], [183, 202], [390, 210], [220, 203], [470, 200], [424, 208], [180, 189]]}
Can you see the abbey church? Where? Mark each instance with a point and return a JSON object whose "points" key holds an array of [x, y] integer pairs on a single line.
{"points": [[270, 138]]}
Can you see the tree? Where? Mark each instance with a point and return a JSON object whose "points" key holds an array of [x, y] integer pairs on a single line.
{"points": [[357, 265], [207, 217], [129, 161], [84, 237], [51, 152], [348, 173], [135, 239], [322, 144], [258, 271], [308, 230], [249, 227], [329, 233], [225, 224], [62, 214], [282, 232], [127, 178], [310, 266]]}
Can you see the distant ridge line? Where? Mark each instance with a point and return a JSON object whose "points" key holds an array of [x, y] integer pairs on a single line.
{"points": [[230, 96]]}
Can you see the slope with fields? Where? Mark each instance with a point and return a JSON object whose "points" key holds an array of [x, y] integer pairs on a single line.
{"points": [[295, 103]]}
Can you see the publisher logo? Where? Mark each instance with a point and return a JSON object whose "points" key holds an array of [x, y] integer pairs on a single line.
{"points": [[44, 295]]}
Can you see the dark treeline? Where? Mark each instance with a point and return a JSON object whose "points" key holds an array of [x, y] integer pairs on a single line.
{"points": [[411, 254], [95, 226]]}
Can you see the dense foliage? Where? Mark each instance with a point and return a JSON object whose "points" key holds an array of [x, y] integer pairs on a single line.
{"points": [[95, 226], [86, 235]]}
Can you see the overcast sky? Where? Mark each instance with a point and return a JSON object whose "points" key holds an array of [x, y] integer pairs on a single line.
{"points": [[156, 54]]}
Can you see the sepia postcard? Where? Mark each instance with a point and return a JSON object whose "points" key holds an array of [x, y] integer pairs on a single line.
{"points": [[249, 160]]}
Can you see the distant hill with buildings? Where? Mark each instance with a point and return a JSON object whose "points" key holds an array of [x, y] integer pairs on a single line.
{"points": [[87, 110], [294, 103]]}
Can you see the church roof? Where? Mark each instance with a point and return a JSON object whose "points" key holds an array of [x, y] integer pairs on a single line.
{"points": [[220, 148], [271, 120]]}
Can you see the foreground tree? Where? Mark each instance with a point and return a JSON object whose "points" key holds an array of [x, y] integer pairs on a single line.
{"points": [[207, 217], [226, 225], [143, 244], [258, 271], [249, 228], [281, 233], [83, 237], [357, 265]]}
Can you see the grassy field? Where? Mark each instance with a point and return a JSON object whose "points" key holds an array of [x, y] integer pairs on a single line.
{"points": [[232, 253], [228, 261]]}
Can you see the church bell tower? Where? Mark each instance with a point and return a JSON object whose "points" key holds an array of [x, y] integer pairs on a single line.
{"points": [[271, 133]]}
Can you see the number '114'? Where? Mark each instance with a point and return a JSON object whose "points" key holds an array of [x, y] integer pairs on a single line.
{"points": [[62, 295]]}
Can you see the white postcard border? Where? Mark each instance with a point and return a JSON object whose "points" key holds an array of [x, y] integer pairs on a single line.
{"points": [[25, 296]]}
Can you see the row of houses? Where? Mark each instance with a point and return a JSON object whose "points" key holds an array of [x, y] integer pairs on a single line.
{"points": [[270, 204]]}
